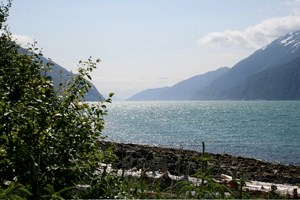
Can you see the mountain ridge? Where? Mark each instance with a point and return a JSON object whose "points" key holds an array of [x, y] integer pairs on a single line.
{"points": [[183, 90], [240, 82], [274, 54], [278, 83], [59, 75]]}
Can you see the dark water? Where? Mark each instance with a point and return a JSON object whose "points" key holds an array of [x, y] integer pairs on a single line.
{"points": [[258, 129]]}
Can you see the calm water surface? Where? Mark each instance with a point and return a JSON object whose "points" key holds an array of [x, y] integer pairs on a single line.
{"points": [[258, 129]]}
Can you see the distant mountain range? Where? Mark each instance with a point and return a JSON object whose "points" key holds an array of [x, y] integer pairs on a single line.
{"points": [[184, 90], [270, 73]]}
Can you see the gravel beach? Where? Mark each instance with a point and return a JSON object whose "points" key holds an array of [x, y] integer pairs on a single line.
{"points": [[187, 162]]}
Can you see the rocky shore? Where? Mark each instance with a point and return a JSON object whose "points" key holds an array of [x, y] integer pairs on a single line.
{"points": [[187, 162]]}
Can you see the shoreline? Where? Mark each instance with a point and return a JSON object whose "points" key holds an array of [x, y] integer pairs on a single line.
{"points": [[187, 162]]}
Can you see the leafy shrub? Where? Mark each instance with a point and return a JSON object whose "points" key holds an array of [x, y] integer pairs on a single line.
{"points": [[46, 137]]}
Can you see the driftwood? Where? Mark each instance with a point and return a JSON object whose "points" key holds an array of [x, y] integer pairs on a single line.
{"points": [[265, 187]]}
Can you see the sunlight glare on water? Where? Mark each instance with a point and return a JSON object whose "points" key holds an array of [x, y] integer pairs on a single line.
{"points": [[259, 129]]}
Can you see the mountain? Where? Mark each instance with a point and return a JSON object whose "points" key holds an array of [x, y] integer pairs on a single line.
{"points": [[280, 51], [60, 75], [184, 90], [277, 83], [149, 94], [270, 73]]}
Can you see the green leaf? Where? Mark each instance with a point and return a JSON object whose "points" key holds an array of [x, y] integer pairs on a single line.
{"points": [[111, 94]]}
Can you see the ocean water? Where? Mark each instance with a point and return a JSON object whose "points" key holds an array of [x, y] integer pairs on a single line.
{"points": [[266, 130]]}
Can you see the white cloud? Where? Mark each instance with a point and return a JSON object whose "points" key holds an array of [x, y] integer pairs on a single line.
{"points": [[23, 40], [253, 37]]}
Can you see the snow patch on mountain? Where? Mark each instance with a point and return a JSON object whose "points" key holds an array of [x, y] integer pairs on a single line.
{"points": [[288, 40], [264, 47], [291, 40]]}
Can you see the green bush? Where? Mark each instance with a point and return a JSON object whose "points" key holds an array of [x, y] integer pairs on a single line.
{"points": [[46, 137]]}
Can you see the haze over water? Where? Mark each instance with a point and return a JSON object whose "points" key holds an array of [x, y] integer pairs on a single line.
{"points": [[258, 129]]}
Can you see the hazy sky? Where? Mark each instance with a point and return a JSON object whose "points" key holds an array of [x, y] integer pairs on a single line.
{"points": [[151, 43]]}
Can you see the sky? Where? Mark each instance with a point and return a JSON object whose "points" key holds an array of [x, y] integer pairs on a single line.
{"points": [[150, 43]]}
